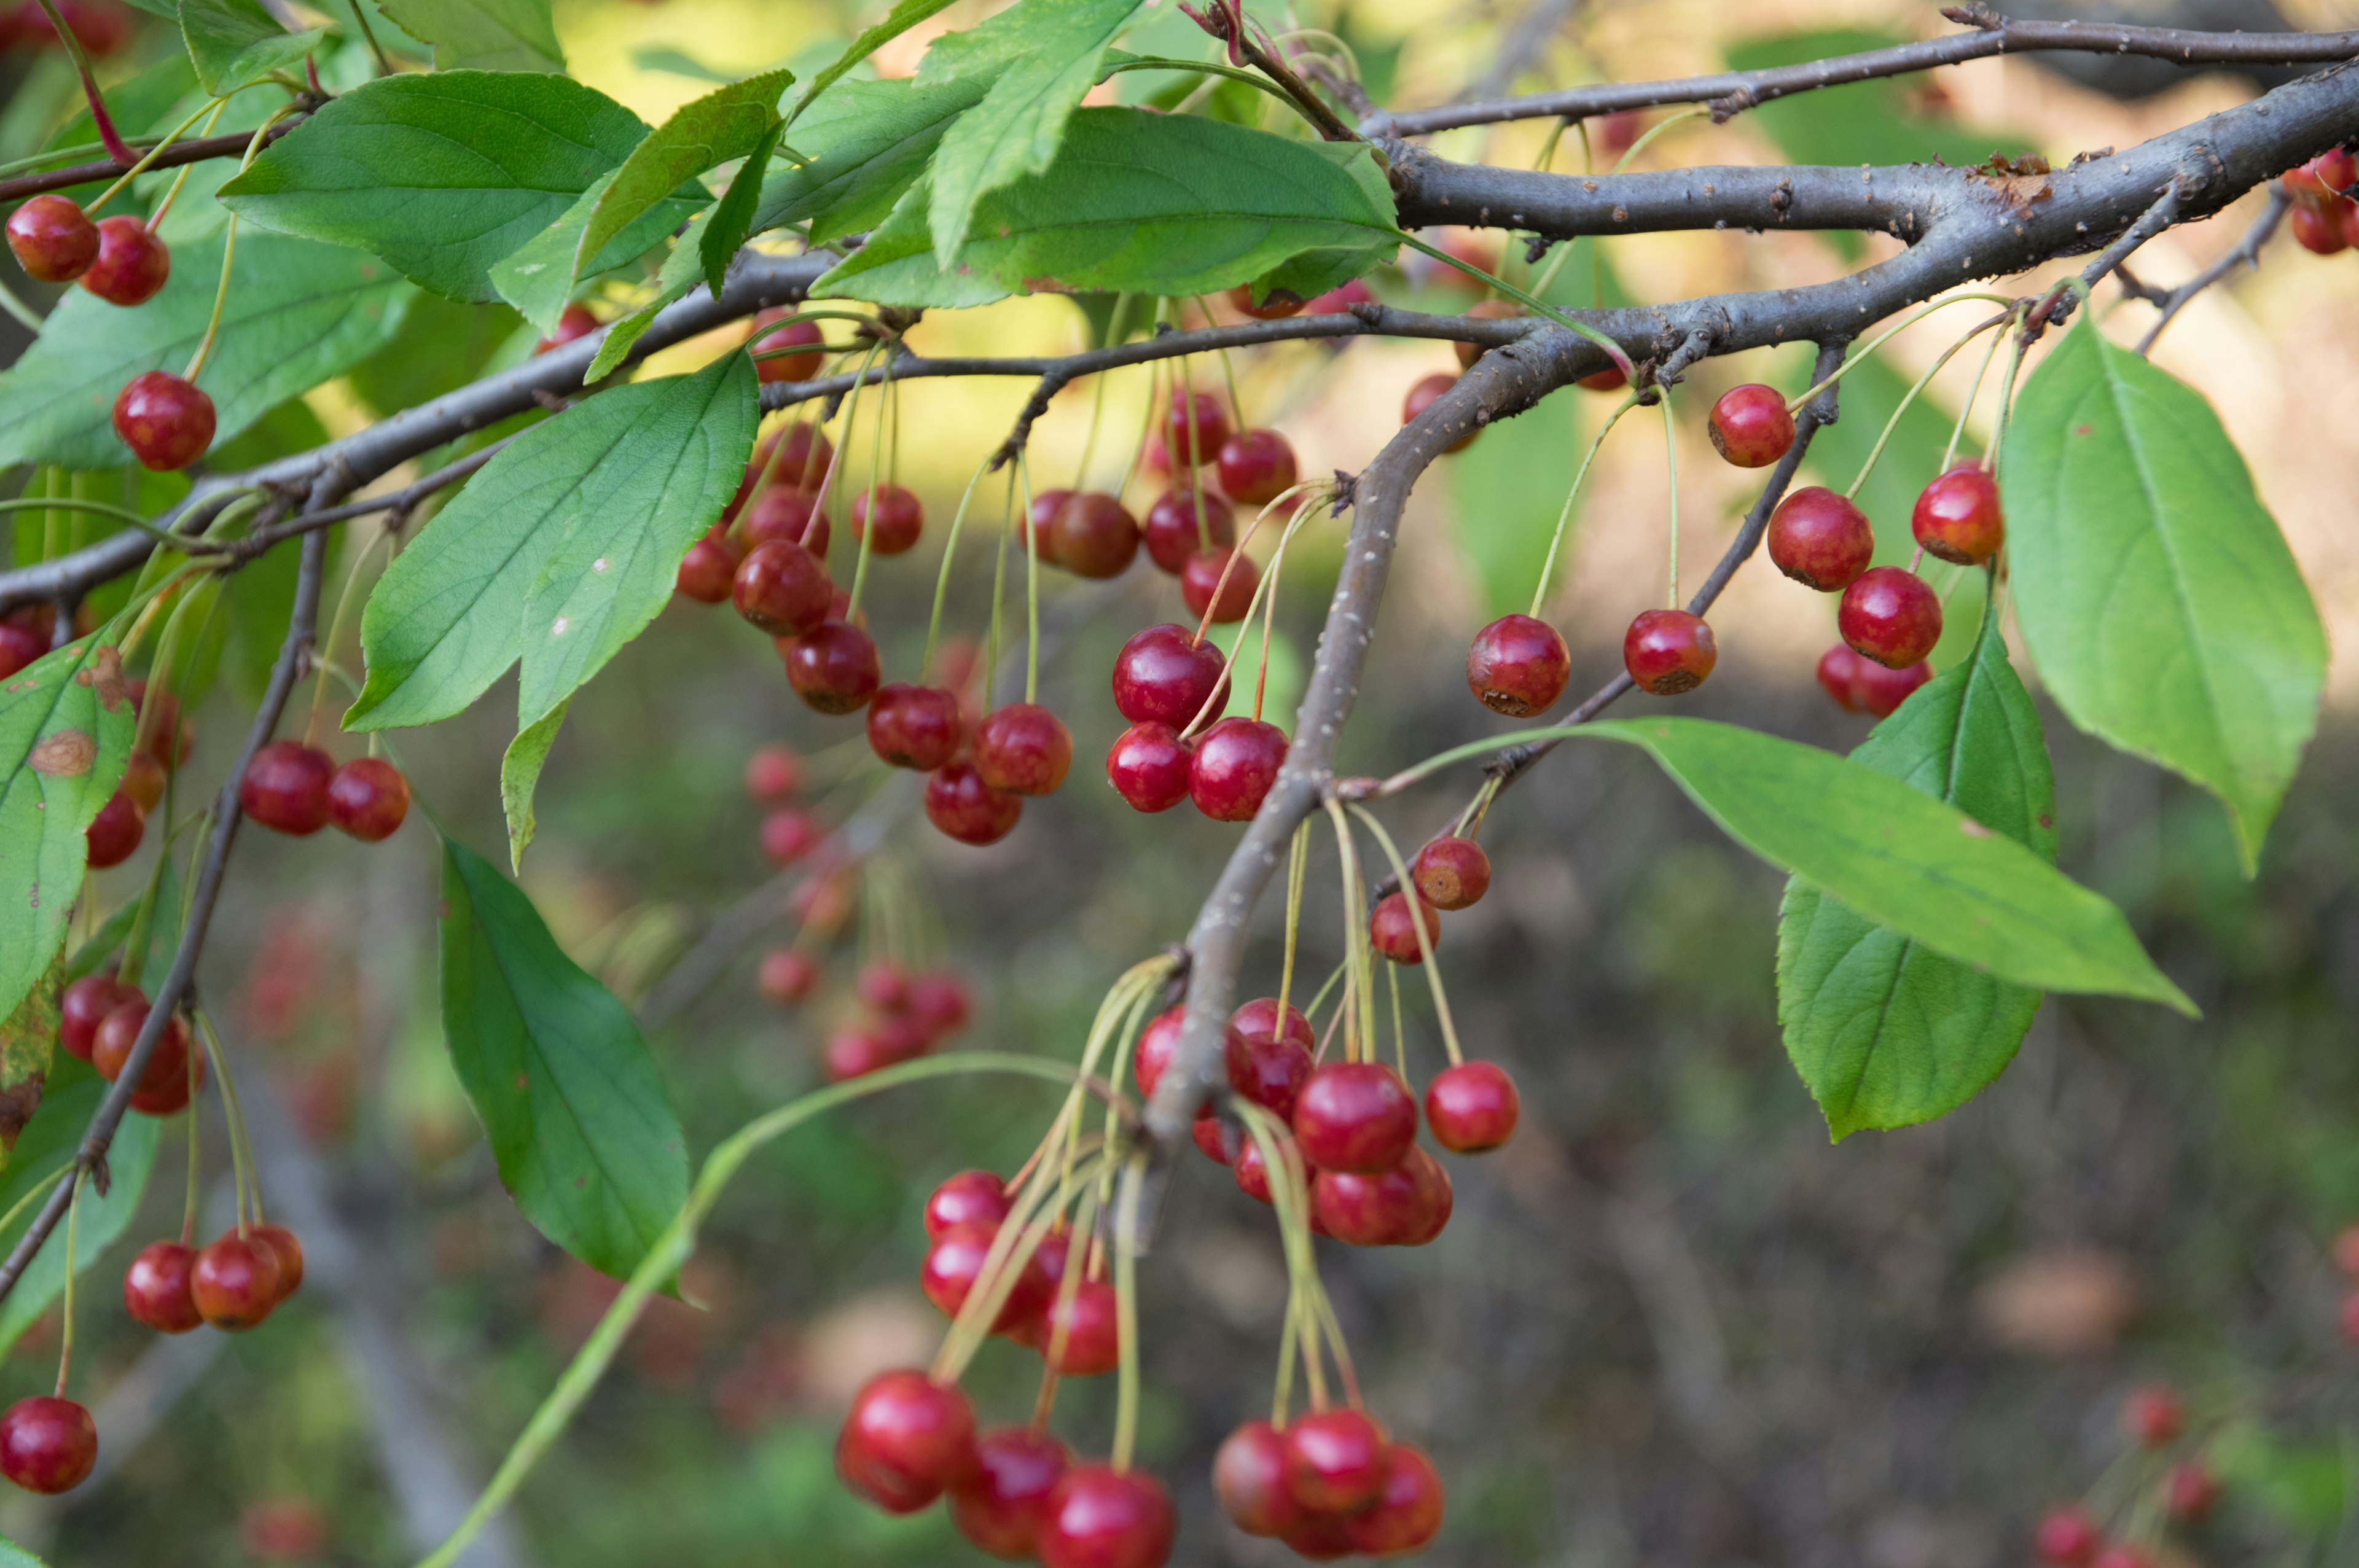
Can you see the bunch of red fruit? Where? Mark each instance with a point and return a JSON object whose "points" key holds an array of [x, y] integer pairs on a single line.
{"points": [[1190, 531], [2070, 1537], [1166, 680], [1330, 1484], [902, 1016], [162, 743], [2324, 218]]}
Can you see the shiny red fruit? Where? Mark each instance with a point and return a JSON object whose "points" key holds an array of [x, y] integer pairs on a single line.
{"points": [[1276, 305], [1236, 762], [1405, 1206], [289, 1252], [1668, 651], [1890, 616], [915, 727], [1957, 517], [708, 570], [1092, 536], [1193, 428], [114, 834], [20, 646], [573, 323], [2067, 1537], [1337, 1461], [164, 1084], [2191, 1493], [1423, 396], [1000, 1506], [166, 422], [787, 975], [790, 834], [798, 459], [2328, 175], [969, 810], [773, 773], [954, 1263], [1750, 426], [1517, 666], [1093, 1343], [793, 334], [1153, 1052], [1249, 1479], [970, 1197], [131, 265], [1392, 927], [1355, 1116], [156, 1287], [833, 667], [1451, 872], [1164, 676], [368, 798], [1268, 1071], [286, 787], [1408, 1515], [53, 239], [1257, 1022], [1101, 1517], [1219, 582], [900, 518], [1172, 535], [1024, 748], [1881, 691], [1149, 766], [1472, 1107], [905, 1441], [2317, 229], [84, 1006], [1819, 539], [1257, 466], [787, 513], [1252, 1175], [1321, 1538], [782, 589], [235, 1282], [47, 1444], [2155, 1416], [1035, 531]]}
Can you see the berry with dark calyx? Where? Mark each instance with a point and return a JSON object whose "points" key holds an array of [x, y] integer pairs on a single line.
{"points": [[1211, 423], [833, 667], [1269, 1072], [47, 1444], [290, 1251], [1256, 466], [906, 1440], [1149, 766], [1235, 764], [1423, 396], [1219, 582], [114, 834], [790, 834], [166, 421], [235, 1282], [773, 773], [782, 589], [1102, 1518], [2154, 1415], [368, 798], [1472, 1107], [132, 263], [970, 1197], [1750, 426], [1393, 1207], [1337, 1461], [156, 1287], [1668, 651], [1164, 676], [1392, 927], [1890, 616], [784, 512], [1024, 748], [915, 726], [1355, 1116], [708, 570], [969, 810], [900, 518], [1408, 1515], [939, 1003], [1276, 305], [2190, 1493], [1957, 517], [164, 1083], [1088, 1322], [2067, 1537], [1257, 1022], [787, 975], [1249, 1479], [792, 334], [1517, 666], [1092, 536], [1451, 872], [53, 239], [1000, 1506], [2317, 229], [1819, 539], [1172, 536], [84, 1006], [286, 787], [1483, 310], [575, 322], [954, 1265]]}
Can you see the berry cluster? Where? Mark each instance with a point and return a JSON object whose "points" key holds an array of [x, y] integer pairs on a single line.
{"points": [[1330, 1484], [2324, 218], [2180, 1490]]}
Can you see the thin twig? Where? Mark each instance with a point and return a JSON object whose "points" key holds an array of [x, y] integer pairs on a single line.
{"points": [[113, 168], [2246, 253]]}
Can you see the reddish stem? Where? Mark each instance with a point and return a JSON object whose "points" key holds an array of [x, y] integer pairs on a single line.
{"points": [[117, 147]]}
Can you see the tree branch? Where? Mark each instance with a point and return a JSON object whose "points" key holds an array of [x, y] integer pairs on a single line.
{"points": [[179, 153], [2246, 253]]}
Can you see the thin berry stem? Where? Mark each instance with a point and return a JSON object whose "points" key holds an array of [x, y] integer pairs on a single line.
{"points": [[1671, 462], [998, 584], [1228, 370], [66, 1306], [867, 535], [1861, 355], [229, 250], [1031, 582], [324, 653], [1564, 517], [942, 577], [1910, 397], [360, 14], [240, 1144], [1431, 965], [172, 191], [1298, 863], [1973, 395]]}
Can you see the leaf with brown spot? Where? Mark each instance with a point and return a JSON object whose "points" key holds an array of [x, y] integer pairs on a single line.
{"points": [[63, 754], [28, 1038]]}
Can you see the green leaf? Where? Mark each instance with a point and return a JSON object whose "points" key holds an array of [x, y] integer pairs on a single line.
{"points": [[11, 1554], [441, 174], [863, 148], [579, 1121], [560, 551], [521, 774], [65, 733], [2165, 613], [898, 20], [299, 314], [485, 35], [1143, 203], [1508, 489], [1040, 57], [726, 123], [1902, 858], [1884, 1031], [235, 43], [538, 279], [163, 933], [42, 1154], [730, 223]]}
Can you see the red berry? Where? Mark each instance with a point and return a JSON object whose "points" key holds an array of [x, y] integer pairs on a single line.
{"points": [[1336, 302], [2329, 174], [1275, 305], [1451, 872], [855, 1053], [1257, 1022], [1092, 536], [883, 986], [1172, 536], [1355, 1116], [143, 781], [47, 1444], [1393, 929], [772, 774], [1408, 1516], [1093, 1344], [1236, 762], [54, 240], [1337, 1461], [782, 589], [84, 1006], [290, 1251], [906, 1440], [1036, 531], [1256, 466], [939, 1003], [2191, 1492], [1668, 651], [1468, 351], [2154, 1415], [286, 787], [788, 835], [1148, 767], [1249, 1479], [1321, 1538], [969, 810], [1269, 1072], [2067, 1537], [1102, 1518], [156, 1287], [1890, 616], [1422, 397], [368, 798], [970, 1197], [235, 1282], [2317, 229], [1404, 1206], [900, 518], [1190, 448], [1252, 1175], [788, 974], [1517, 666], [1819, 539], [793, 334], [163, 1085], [1750, 426], [166, 422], [1838, 676], [20, 646], [708, 570], [114, 834], [1881, 691], [833, 666], [1958, 518], [954, 1264], [1220, 582], [1153, 1052], [1212, 1139], [1000, 1506], [131, 265], [798, 459], [915, 726], [1024, 748], [1164, 676], [1472, 1107], [787, 513], [575, 322]]}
